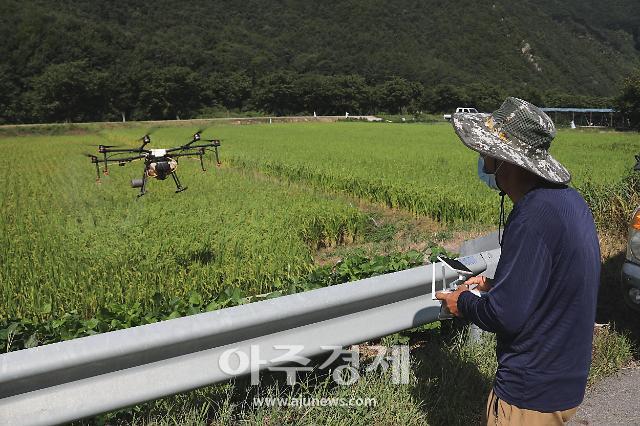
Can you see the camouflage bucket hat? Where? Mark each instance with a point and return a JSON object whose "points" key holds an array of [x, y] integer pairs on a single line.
{"points": [[518, 132]]}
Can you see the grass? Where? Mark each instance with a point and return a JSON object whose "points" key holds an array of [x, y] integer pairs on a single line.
{"points": [[233, 404], [611, 352], [449, 382], [613, 205]]}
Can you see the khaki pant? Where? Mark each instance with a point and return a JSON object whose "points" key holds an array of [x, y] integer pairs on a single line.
{"points": [[501, 413]]}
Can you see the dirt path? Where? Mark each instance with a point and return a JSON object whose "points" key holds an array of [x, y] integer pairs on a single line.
{"points": [[614, 401]]}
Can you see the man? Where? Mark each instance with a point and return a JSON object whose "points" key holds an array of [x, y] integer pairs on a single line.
{"points": [[541, 303]]}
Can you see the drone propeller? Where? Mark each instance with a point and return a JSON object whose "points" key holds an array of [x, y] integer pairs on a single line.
{"points": [[107, 140], [94, 159], [146, 139], [147, 134], [197, 135]]}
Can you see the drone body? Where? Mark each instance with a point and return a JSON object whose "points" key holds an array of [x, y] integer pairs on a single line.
{"points": [[158, 163]]}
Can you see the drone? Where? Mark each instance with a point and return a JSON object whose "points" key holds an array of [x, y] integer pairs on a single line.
{"points": [[158, 163]]}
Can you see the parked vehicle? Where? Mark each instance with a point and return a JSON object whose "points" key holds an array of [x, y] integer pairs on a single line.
{"points": [[631, 268], [469, 110]]}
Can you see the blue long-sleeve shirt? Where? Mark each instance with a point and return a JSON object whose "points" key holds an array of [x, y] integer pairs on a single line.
{"points": [[543, 301]]}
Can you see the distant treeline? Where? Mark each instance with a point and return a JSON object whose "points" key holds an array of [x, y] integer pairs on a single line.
{"points": [[85, 60], [75, 92]]}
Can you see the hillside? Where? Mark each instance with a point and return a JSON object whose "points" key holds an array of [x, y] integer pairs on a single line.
{"points": [[135, 58]]}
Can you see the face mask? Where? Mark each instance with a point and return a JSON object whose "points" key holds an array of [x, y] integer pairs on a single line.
{"points": [[488, 178]]}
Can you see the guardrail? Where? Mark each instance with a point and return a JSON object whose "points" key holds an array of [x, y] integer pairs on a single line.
{"points": [[70, 380]]}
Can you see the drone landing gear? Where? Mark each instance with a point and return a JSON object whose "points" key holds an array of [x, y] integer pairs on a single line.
{"points": [[217, 157], [201, 161], [179, 187], [105, 171], [98, 173]]}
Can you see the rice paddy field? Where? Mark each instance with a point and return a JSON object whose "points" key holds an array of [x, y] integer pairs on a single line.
{"points": [[424, 169], [69, 243], [76, 245], [77, 257]]}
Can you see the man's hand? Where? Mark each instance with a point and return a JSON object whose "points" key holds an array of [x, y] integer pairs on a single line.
{"points": [[483, 283], [451, 299]]}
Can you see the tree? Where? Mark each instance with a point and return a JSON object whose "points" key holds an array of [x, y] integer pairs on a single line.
{"points": [[169, 93], [122, 91], [484, 97], [311, 90], [70, 91], [351, 95], [9, 96], [333, 95], [276, 93], [233, 90], [446, 98], [629, 100], [398, 94]]}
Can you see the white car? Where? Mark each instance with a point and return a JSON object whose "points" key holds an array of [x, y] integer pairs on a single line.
{"points": [[467, 110], [631, 267]]}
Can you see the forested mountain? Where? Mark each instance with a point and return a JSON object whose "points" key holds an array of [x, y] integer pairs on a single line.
{"points": [[71, 60]]}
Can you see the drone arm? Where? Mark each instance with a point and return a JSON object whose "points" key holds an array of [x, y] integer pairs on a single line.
{"points": [[179, 148], [131, 150], [185, 154], [200, 153], [189, 144], [123, 159], [213, 143]]}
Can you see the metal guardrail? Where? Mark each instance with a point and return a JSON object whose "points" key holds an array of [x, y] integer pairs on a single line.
{"points": [[70, 380]]}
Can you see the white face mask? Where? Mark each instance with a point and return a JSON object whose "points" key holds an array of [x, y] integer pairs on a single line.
{"points": [[487, 178]]}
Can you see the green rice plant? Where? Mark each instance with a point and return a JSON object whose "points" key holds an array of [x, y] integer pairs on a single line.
{"points": [[72, 244], [75, 245], [421, 168]]}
